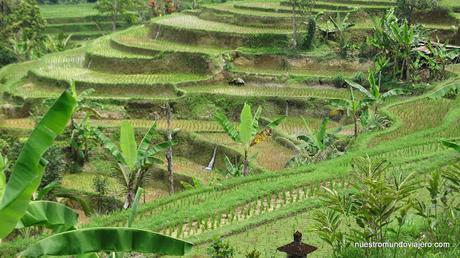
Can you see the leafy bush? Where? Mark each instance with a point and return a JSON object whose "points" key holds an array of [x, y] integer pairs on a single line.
{"points": [[56, 166], [339, 81], [310, 36], [221, 249], [266, 39]]}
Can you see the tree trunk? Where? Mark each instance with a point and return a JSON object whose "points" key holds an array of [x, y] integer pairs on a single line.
{"points": [[355, 121], [169, 154], [129, 198], [212, 162], [294, 25], [115, 16], [245, 164]]}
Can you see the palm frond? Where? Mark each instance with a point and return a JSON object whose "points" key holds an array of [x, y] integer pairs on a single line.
{"points": [[110, 146], [227, 125], [360, 88]]}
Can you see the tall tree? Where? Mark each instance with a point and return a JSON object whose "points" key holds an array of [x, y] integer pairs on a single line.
{"points": [[407, 8], [22, 31], [133, 161], [249, 132], [115, 9], [169, 152]]}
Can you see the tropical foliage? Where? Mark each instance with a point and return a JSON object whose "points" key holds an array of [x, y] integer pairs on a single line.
{"points": [[374, 96], [316, 145], [353, 107], [249, 132], [133, 162], [28, 168]]}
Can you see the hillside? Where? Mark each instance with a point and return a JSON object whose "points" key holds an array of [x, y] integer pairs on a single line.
{"points": [[187, 60]]}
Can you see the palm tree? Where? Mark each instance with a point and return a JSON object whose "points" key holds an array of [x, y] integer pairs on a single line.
{"points": [[352, 107], [133, 162], [249, 132], [373, 95]]}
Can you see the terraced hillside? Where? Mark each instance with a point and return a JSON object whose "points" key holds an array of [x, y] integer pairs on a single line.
{"points": [[187, 59], [82, 21]]}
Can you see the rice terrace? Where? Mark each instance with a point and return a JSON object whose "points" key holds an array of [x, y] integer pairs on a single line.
{"points": [[215, 128]]}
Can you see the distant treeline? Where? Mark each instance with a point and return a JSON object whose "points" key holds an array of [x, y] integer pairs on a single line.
{"points": [[65, 1]]}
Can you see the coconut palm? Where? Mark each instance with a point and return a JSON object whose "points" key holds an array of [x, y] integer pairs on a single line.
{"points": [[373, 96], [249, 132], [133, 162]]}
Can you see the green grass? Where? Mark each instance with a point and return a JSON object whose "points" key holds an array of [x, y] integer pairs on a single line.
{"points": [[103, 47], [270, 91], [189, 22], [93, 77], [139, 37], [68, 10], [313, 72], [416, 116], [265, 151]]}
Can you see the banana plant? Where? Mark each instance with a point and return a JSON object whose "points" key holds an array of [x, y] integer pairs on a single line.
{"points": [[249, 132], [3, 166], [52, 215], [316, 145], [91, 240], [82, 134], [133, 161], [373, 96], [28, 168], [88, 242], [341, 25], [352, 107]]}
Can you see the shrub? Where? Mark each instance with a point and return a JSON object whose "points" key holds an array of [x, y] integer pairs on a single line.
{"points": [[220, 249], [253, 254], [339, 81], [311, 31], [360, 78], [55, 167]]}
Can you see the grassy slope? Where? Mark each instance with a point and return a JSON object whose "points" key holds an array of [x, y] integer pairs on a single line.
{"points": [[407, 149]]}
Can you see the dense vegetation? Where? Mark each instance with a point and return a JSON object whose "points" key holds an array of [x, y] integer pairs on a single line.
{"points": [[229, 126]]}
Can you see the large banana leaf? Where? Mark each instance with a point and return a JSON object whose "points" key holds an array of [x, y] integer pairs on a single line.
{"points": [[52, 215], [255, 121], [128, 144], [227, 125], [150, 158], [273, 124], [145, 143], [452, 145], [2, 175], [28, 169], [110, 146], [322, 133], [246, 124], [92, 240], [360, 88], [440, 93], [133, 212]]}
